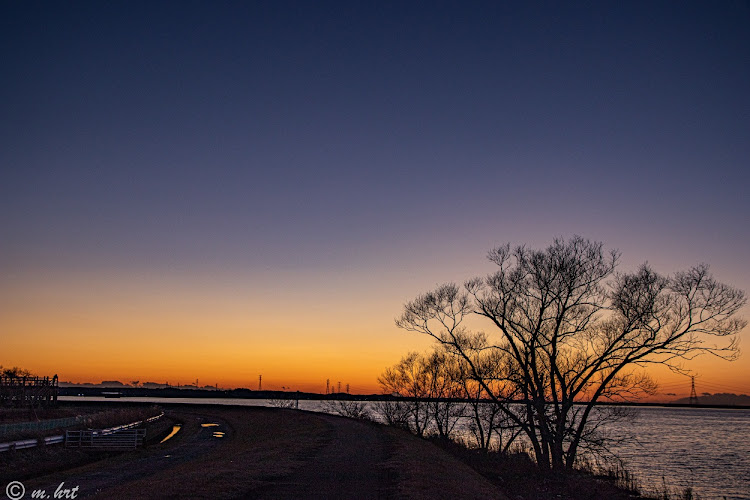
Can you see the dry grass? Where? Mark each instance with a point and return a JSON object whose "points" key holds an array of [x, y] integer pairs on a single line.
{"points": [[426, 471], [16, 415], [518, 476]]}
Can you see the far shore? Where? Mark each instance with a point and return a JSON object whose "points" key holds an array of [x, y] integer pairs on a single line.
{"points": [[175, 392]]}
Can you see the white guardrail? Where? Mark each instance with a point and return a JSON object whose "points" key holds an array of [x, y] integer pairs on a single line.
{"points": [[30, 443]]}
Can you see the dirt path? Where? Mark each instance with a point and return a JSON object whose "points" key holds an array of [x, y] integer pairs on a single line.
{"points": [[352, 463], [190, 443], [270, 453]]}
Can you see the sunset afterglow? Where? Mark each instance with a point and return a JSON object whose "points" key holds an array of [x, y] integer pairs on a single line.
{"points": [[218, 192]]}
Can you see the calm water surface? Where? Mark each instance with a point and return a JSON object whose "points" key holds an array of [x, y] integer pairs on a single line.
{"points": [[707, 450]]}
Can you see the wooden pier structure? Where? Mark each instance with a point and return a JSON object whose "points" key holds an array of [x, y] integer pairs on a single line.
{"points": [[28, 392]]}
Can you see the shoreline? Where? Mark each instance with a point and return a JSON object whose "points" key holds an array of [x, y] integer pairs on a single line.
{"points": [[165, 394]]}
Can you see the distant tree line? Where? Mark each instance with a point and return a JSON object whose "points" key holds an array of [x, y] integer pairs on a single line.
{"points": [[15, 372], [438, 394]]}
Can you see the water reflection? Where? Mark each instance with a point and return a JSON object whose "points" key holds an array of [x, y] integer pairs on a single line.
{"points": [[175, 429], [216, 434]]}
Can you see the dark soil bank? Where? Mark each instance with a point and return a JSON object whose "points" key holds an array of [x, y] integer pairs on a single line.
{"points": [[258, 453]]}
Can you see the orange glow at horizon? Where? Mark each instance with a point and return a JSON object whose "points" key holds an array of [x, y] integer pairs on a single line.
{"points": [[95, 331], [226, 335]]}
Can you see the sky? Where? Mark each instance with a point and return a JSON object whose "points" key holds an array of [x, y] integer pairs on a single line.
{"points": [[220, 190]]}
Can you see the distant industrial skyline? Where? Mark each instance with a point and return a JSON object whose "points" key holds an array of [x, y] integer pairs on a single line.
{"points": [[668, 392]]}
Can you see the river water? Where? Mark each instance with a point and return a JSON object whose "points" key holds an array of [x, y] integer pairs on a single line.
{"points": [[707, 450]]}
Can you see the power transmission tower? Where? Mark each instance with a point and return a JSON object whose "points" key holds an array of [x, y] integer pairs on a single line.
{"points": [[693, 394], [260, 382], [328, 386]]}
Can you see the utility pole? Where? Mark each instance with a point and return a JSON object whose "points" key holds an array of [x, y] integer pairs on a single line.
{"points": [[693, 394]]}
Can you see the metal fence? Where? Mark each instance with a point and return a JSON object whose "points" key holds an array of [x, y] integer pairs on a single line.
{"points": [[42, 425], [121, 440], [30, 443]]}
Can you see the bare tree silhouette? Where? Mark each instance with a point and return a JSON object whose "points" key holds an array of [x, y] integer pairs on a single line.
{"points": [[572, 333], [410, 380]]}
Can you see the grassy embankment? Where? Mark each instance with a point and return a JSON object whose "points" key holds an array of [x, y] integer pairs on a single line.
{"points": [[268, 447]]}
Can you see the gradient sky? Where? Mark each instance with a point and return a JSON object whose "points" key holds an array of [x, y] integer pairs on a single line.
{"points": [[218, 190]]}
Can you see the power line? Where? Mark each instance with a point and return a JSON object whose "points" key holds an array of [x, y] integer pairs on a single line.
{"points": [[714, 386], [722, 387], [693, 395]]}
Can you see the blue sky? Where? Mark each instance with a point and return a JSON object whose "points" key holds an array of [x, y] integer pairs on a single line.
{"points": [[268, 149]]}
